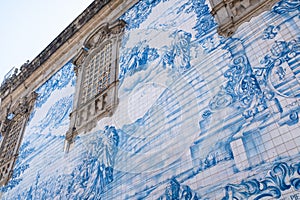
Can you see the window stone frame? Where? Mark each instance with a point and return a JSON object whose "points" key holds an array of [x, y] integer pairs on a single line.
{"points": [[86, 64], [12, 129], [230, 14], [85, 115]]}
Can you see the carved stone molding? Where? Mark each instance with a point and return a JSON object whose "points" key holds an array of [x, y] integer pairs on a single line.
{"points": [[12, 130], [96, 94], [18, 77], [230, 14]]}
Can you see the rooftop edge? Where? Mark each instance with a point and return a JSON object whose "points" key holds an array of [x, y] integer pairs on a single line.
{"points": [[19, 76]]}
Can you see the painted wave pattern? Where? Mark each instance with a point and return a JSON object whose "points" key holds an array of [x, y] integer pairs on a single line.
{"points": [[248, 91]]}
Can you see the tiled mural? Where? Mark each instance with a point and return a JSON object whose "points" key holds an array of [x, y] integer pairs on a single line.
{"points": [[199, 116]]}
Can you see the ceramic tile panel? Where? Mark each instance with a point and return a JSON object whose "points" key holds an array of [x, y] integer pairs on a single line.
{"points": [[200, 116]]}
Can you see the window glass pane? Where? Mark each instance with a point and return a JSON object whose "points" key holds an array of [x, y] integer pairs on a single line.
{"points": [[97, 73]]}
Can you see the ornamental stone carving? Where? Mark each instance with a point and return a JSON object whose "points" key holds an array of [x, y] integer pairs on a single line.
{"points": [[12, 130], [17, 78], [96, 94], [230, 14]]}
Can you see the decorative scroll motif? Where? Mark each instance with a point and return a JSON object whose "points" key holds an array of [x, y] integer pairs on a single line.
{"points": [[97, 79], [281, 66], [287, 6], [12, 129], [175, 190], [241, 85], [231, 14], [270, 32], [280, 178], [242, 89]]}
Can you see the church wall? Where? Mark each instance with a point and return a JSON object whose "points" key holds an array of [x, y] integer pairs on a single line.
{"points": [[199, 116]]}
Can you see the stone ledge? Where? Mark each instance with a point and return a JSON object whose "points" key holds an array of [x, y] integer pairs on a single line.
{"points": [[28, 68], [230, 14]]}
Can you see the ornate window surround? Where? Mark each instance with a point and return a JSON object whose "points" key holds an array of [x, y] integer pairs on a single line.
{"points": [[97, 69], [87, 110], [230, 14], [12, 130]]}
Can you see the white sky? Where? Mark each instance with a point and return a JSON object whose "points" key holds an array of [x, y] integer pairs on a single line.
{"points": [[28, 26]]}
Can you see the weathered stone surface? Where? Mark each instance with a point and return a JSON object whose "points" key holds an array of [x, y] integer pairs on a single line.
{"points": [[12, 129], [87, 111], [230, 14], [29, 67]]}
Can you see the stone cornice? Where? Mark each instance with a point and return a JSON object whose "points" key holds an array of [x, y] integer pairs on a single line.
{"points": [[230, 14], [28, 68]]}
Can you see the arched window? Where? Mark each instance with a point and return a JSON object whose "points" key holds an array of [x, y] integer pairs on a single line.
{"points": [[12, 129], [97, 66], [97, 73]]}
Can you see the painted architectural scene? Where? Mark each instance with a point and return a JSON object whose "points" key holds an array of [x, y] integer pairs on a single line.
{"points": [[159, 99]]}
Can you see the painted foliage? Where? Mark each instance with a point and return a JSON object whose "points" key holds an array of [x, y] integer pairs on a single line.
{"points": [[199, 116]]}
